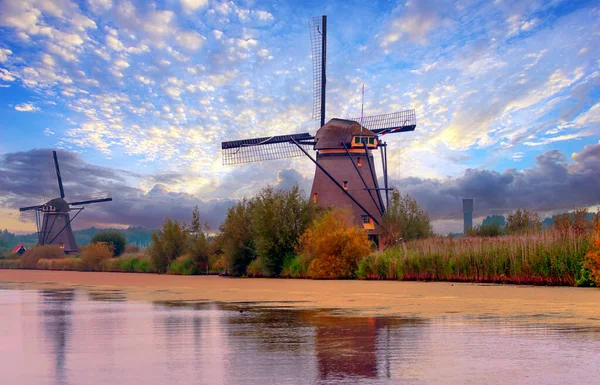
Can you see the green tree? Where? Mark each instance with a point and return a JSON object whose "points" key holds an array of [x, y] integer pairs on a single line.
{"points": [[198, 247], [404, 218], [279, 217], [491, 229], [168, 243], [498, 220], [112, 237], [236, 238], [523, 221]]}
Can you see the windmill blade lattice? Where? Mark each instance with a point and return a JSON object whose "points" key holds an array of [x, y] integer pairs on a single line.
{"points": [[267, 148], [401, 121], [318, 44]]}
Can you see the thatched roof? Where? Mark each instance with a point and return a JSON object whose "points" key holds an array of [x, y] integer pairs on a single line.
{"points": [[336, 131]]}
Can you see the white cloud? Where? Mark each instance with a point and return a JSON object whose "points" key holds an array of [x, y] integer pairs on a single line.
{"points": [[173, 92], [48, 132], [417, 20], [590, 116], [4, 53], [100, 6], [114, 43], [6, 75], [190, 40], [121, 64], [27, 107], [193, 5]]}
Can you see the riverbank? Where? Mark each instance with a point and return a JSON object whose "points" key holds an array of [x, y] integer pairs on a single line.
{"points": [[562, 305]]}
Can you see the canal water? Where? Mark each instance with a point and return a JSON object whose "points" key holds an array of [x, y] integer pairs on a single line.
{"points": [[98, 337]]}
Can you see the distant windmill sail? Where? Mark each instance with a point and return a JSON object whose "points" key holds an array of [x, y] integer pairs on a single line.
{"points": [[345, 173], [53, 219]]}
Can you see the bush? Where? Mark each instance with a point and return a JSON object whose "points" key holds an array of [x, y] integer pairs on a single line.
{"points": [[66, 264], [128, 264], [199, 248], [168, 244], [279, 218], [132, 249], [95, 253], [574, 222], [523, 221], [30, 258], [255, 268], [10, 264], [333, 246], [114, 237], [404, 219], [183, 266], [236, 238], [488, 230], [295, 266], [592, 259]]}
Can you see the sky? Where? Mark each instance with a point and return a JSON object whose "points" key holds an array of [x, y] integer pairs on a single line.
{"points": [[137, 96]]}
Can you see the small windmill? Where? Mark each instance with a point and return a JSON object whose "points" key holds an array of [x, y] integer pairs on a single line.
{"points": [[53, 218], [345, 169]]}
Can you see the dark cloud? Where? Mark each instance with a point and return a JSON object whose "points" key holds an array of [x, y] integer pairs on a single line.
{"points": [[550, 185], [287, 178], [28, 178]]}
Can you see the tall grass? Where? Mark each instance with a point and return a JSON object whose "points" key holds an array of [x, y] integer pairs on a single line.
{"points": [[549, 257]]}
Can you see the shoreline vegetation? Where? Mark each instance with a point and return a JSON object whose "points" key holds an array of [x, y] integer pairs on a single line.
{"points": [[283, 234]]}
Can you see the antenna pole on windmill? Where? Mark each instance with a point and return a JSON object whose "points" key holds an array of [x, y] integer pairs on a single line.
{"points": [[323, 69], [362, 108]]}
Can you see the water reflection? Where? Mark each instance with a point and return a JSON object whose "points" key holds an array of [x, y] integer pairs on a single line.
{"points": [[56, 323], [107, 295], [72, 337]]}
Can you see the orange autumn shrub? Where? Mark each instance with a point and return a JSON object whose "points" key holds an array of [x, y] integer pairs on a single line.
{"points": [[593, 256], [95, 253], [31, 257], [333, 245]]}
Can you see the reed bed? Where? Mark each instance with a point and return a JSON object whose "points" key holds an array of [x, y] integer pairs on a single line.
{"points": [[544, 258]]}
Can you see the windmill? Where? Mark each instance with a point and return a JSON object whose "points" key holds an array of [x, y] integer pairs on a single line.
{"points": [[345, 169], [53, 218]]}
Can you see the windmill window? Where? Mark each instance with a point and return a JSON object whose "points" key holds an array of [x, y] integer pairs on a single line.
{"points": [[359, 162], [61, 245], [362, 140], [315, 197], [345, 185], [366, 219], [371, 140]]}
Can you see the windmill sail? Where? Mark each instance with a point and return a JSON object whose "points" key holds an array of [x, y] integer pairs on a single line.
{"points": [[85, 199], [58, 177], [401, 121], [266, 148], [318, 43]]}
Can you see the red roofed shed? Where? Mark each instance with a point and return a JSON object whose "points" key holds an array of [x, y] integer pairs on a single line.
{"points": [[19, 249]]}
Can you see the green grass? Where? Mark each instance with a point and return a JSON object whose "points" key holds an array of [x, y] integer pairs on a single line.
{"points": [[544, 258]]}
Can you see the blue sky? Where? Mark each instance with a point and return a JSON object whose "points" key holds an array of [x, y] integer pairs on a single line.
{"points": [[150, 89]]}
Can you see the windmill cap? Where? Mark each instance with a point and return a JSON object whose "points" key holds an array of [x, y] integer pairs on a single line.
{"points": [[60, 204], [336, 131]]}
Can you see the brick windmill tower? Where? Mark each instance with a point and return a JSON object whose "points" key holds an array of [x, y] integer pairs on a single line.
{"points": [[345, 173], [53, 218]]}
